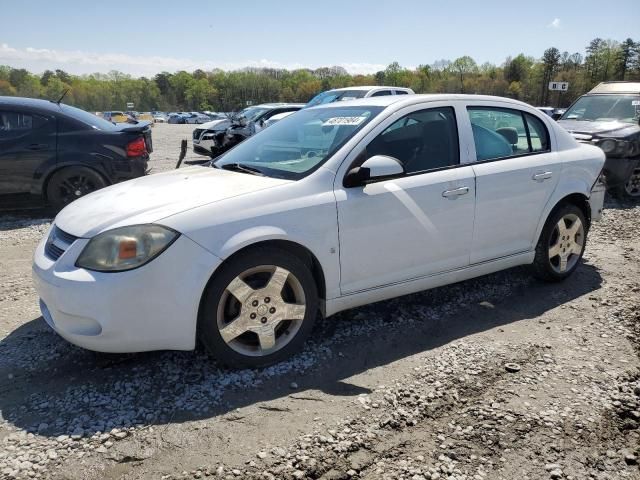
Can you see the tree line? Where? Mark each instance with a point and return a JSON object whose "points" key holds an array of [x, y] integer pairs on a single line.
{"points": [[521, 77]]}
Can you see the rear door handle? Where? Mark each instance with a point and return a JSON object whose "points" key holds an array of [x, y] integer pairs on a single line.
{"points": [[38, 146], [456, 192], [542, 176]]}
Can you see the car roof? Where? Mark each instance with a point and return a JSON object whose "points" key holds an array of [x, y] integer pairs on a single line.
{"points": [[367, 88], [278, 105], [34, 103], [616, 87], [405, 100]]}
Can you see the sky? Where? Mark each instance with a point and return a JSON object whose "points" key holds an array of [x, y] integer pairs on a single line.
{"points": [[146, 37]]}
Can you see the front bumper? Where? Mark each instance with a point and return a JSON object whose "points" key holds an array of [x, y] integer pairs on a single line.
{"points": [[618, 170], [154, 307]]}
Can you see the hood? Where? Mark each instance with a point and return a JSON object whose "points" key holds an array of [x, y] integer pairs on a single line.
{"points": [[612, 129], [216, 124], [151, 198]]}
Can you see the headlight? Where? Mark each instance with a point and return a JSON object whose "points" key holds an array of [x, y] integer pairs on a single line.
{"points": [[608, 145], [125, 248], [618, 148]]}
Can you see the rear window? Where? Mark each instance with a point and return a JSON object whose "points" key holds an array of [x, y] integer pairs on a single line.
{"points": [[87, 118]]}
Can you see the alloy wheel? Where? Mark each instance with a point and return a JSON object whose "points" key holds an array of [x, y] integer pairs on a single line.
{"points": [[75, 187], [632, 187], [261, 310], [566, 243]]}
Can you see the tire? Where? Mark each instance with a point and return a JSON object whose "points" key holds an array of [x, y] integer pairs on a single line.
{"points": [[71, 183], [558, 253], [264, 327], [631, 188]]}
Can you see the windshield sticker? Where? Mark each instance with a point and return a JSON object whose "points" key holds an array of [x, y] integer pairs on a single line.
{"points": [[635, 103], [344, 121]]}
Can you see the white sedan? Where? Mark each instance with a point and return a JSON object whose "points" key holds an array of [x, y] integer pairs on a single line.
{"points": [[331, 208]]}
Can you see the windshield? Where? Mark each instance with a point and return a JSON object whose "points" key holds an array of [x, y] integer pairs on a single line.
{"points": [[605, 108], [88, 118], [335, 96], [295, 146], [252, 113]]}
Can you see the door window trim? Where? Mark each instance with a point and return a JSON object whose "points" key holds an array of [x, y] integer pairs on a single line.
{"points": [[365, 142], [526, 127]]}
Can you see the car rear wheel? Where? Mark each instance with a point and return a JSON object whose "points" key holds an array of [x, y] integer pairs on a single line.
{"points": [[561, 244], [258, 309], [71, 183]]}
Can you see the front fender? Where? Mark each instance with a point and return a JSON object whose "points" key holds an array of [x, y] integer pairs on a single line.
{"points": [[251, 236]]}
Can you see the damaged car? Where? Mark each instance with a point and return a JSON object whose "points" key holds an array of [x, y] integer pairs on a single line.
{"points": [[334, 207], [608, 117], [213, 138]]}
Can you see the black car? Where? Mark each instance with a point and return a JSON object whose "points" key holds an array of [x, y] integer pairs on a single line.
{"points": [[54, 153], [608, 117]]}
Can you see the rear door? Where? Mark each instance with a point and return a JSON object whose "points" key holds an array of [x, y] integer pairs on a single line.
{"points": [[516, 173], [27, 141]]}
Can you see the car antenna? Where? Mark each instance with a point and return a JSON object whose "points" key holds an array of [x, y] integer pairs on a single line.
{"points": [[64, 94]]}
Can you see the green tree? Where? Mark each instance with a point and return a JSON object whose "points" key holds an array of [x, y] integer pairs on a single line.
{"points": [[463, 67]]}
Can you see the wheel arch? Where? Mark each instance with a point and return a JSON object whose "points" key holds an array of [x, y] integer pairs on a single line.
{"points": [[577, 198], [288, 246]]}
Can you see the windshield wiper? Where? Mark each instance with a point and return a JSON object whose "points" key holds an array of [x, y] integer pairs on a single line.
{"points": [[241, 167]]}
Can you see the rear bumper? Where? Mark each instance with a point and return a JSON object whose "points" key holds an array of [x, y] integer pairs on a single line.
{"points": [[130, 168]]}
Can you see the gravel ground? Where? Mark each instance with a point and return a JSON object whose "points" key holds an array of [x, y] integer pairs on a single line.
{"points": [[501, 377]]}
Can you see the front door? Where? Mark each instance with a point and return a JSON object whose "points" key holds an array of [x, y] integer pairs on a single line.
{"points": [[26, 142], [416, 225]]}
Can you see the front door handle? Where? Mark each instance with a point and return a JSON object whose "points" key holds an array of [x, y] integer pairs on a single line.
{"points": [[542, 176], [456, 192]]}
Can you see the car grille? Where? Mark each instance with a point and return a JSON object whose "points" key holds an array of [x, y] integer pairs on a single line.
{"points": [[57, 243], [197, 132]]}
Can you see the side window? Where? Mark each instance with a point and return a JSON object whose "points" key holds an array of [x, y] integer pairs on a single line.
{"points": [[381, 93], [498, 132], [538, 134], [422, 140], [15, 122], [401, 92]]}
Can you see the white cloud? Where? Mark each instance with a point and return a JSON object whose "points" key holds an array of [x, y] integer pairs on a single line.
{"points": [[81, 62], [555, 23]]}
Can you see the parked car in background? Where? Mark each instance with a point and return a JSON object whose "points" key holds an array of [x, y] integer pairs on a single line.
{"points": [[56, 153], [159, 118], [115, 117], [331, 208], [276, 118], [207, 140], [608, 117], [176, 118], [145, 117], [352, 93], [196, 118], [547, 110]]}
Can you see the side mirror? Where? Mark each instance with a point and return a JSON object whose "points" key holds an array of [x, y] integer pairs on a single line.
{"points": [[556, 116], [378, 167]]}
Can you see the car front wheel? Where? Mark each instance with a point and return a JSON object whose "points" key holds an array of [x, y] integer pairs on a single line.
{"points": [[561, 244], [632, 185], [258, 309]]}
